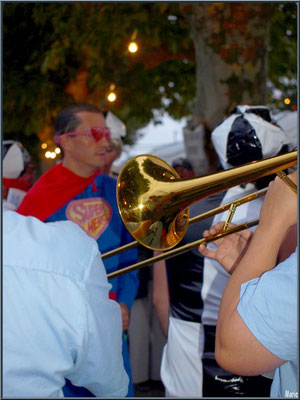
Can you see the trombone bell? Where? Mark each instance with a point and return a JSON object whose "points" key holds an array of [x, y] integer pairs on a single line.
{"points": [[153, 200], [148, 205]]}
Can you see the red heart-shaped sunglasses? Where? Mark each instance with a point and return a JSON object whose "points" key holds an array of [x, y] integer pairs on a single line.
{"points": [[97, 133]]}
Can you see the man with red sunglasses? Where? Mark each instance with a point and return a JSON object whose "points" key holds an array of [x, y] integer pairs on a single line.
{"points": [[77, 190]]}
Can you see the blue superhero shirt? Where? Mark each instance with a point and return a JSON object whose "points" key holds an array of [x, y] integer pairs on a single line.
{"points": [[95, 210]]}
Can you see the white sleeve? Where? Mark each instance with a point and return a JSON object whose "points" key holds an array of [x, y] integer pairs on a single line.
{"points": [[99, 362]]}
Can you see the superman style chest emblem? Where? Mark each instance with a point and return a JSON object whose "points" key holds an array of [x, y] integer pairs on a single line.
{"points": [[93, 215]]}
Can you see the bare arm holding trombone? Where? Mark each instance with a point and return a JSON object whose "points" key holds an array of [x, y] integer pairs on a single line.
{"points": [[252, 259], [231, 249]]}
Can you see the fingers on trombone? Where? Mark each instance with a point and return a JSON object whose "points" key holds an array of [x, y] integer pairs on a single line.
{"points": [[217, 229], [214, 229], [207, 252]]}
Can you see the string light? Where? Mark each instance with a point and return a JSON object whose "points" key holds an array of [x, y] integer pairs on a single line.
{"points": [[287, 101], [44, 146], [112, 95], [133, 47], [52, 154]]}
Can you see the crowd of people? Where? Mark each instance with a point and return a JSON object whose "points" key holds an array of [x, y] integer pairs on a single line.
{"points": [[218, 321]]}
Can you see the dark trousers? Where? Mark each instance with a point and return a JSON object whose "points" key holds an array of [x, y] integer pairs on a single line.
{"points": [[220, 383]]}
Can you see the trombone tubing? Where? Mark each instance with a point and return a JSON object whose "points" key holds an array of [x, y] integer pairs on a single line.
{"points": [[207, 214], [182, 249]]}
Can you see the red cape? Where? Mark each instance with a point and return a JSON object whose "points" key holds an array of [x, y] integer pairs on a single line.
{"points": [[14, 183], [52, 190]]}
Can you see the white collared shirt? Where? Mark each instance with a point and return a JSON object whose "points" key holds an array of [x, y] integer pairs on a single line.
{"points": [[57, 319]]}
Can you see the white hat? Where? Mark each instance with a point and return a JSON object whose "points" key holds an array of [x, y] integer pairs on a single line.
{"points": [[15, 159], [246, 135], [288, 121], [116, 126]]}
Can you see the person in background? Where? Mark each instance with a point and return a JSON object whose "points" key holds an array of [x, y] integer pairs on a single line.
{"points": [[77, 190], [146, 338], [18, 171], [188, 366], [177, 283], [183, 167], [58, 322], [114, 153], [258, 321], [144, 333], [247, 134]]}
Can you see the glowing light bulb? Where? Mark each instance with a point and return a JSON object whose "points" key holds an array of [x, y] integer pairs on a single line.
{"points": [[287, 100], [111, 97], [52, 154], [133, 47], [48, 154], [44, 146], [57, 150]]}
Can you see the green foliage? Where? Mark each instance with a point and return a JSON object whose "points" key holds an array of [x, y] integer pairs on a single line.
{"points": [[283, 54], [46, 45]]}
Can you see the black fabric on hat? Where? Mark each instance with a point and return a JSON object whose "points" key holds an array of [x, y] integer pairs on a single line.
{"points": [[5, 146], [243, 145], [262, 112]]}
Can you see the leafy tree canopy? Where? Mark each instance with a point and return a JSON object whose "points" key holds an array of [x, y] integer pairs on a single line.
{"points": [[56, 53]]}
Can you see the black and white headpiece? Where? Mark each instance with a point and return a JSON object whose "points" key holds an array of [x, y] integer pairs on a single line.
{"points": [[248, 134]]}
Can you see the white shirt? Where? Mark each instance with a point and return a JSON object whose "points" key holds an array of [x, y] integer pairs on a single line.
{"points": [[215, 277], [14, 199], [57, 319]]}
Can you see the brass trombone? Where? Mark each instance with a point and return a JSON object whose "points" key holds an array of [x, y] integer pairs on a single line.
{"points": [[182, 249], [197, 218], [153, 200]]}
